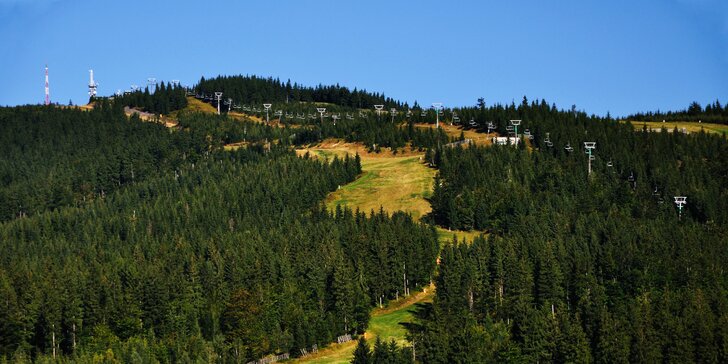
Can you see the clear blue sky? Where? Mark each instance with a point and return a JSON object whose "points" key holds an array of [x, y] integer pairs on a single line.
{"points": [[618, 56]]}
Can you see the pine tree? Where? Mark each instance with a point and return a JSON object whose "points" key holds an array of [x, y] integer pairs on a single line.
{"points": [[362, 353]]}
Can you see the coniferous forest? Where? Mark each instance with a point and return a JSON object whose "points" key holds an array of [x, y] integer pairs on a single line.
{"points": [[127, 241], [214, 256], [581, 268]]}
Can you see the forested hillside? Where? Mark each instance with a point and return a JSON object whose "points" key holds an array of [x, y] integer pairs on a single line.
{"points": [[578, 267], [164, 99], [51, 157], [259, 90], [225, 256], [125, 241], [711, 113]]}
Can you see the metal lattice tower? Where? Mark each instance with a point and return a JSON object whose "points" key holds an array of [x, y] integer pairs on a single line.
{"points": [[47, 88], [92, 85]]}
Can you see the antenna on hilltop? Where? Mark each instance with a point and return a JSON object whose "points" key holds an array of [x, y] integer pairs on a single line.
{"points": [[47, 88], [92, 85]]}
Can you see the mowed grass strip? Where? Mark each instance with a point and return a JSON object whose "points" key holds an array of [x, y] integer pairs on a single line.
{"points": [[390, 181], [691, 127], [394, 184], [384, 324]]}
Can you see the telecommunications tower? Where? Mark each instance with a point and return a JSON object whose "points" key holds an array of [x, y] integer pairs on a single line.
{"points": [[92, 85], [47, 89]]}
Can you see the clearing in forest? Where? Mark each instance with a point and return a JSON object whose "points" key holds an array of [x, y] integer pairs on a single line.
{"points": [[391, 181], [454, 131], [195, 105], [384, 324], [691, 127]]}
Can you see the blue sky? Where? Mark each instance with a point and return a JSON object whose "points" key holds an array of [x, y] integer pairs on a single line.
{"points": [[617, 56]]}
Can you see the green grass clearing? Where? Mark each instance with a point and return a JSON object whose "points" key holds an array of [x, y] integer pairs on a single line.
{"points": [[384, 323], [691, 127]]}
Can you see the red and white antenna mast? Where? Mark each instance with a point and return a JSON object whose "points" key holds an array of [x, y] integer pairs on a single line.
{"points": [[47, 89]]}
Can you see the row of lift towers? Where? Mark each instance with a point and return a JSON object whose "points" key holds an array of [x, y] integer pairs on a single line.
{"points": [[589, 147]]}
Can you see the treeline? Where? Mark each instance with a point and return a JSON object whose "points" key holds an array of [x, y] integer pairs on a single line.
{"points": [[259, 90], [711, 113], [580, 268], [228, 258], [53, 157], [375, 135], [164, 99]]}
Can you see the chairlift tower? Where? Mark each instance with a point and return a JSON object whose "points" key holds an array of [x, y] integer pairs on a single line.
{"points": [[321, 111], [589, 146], [393, 112], [437, 106], [680, 201], [379, 110], [92, 85], [335, 117], [515, 124], [267, 107], [218, 97], [152, 82], [230, 103]]}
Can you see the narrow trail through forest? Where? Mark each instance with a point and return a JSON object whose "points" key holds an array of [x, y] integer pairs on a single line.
{"points": [[392, 182]]}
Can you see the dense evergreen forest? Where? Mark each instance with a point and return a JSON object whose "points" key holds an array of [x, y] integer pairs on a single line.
{"points": [[224, 256], [51, 157], [125, 241], [711, 113], [580, 268], [374, 134], [164, 99], [259, 90]]}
